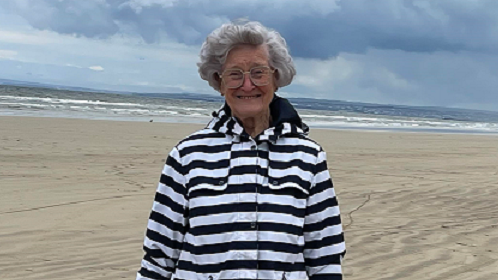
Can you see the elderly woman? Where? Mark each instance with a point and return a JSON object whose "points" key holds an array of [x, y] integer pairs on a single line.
{"points": [[249, 196]]}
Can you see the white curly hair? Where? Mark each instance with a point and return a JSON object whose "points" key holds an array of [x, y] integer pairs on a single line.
{"points": [[221, 41]]}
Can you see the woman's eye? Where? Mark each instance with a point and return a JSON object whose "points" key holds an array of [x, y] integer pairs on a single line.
{"points": [[234, 74]]}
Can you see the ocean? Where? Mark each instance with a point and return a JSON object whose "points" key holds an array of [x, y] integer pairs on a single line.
{"points": [[197, 108]]}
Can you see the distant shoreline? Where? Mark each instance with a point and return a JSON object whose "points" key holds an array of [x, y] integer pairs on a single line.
{"points": [[204, 120]]}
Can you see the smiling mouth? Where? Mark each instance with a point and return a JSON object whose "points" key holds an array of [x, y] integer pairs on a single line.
{"points": [[249, 97]]}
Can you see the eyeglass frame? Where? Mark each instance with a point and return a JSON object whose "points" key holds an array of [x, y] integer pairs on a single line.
{"points": [[244, 75]]}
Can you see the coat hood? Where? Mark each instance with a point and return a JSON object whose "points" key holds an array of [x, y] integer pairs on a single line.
{"points": [[285, 121]]}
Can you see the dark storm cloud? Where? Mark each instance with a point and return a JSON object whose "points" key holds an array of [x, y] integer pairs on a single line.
{"points": [[81, 18], [315, 29]]}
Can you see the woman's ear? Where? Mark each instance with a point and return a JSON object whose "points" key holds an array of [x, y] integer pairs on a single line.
{"points": [[217, 78], [276, 74]]}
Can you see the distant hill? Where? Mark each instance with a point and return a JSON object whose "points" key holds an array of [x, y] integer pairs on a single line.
{"points": [[57, 87]]}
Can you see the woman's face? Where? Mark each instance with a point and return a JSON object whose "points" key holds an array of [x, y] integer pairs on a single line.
{"points": [[248, 100]]}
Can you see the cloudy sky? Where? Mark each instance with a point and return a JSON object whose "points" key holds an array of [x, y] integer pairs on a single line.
{"points": [[413, 52]]}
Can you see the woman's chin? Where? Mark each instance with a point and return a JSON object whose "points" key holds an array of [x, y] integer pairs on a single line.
{"points": [[248, 111]]}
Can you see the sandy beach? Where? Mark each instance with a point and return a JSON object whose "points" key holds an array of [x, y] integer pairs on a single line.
{"points": [[75, 196]]}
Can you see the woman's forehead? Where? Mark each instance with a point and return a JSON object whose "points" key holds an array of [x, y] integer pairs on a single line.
{"points": [[247, 56]]}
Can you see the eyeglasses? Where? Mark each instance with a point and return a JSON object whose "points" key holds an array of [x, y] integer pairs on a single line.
{"points": [[234, 78]]}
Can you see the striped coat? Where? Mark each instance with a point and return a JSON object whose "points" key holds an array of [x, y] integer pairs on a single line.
{"points": [[232, 207]]}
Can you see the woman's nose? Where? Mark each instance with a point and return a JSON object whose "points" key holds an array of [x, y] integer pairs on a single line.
{"points": [[247, 85]]}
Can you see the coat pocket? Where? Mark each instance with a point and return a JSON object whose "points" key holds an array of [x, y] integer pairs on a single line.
{"points": [[207, 182], [216, 185]]}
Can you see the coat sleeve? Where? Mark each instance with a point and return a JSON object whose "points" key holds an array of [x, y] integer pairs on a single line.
{"points": [[323, 235], [167, 223]]}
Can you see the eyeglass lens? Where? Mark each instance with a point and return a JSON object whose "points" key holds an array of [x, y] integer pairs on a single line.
{"points": [[234, 78]]}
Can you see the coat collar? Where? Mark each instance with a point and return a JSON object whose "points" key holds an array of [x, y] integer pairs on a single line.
{"points": [[285, 121]]}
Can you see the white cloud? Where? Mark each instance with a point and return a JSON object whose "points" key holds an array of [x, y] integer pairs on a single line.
{"points": [[7, 54], [71, 65], [96, 68], [13, 37]]}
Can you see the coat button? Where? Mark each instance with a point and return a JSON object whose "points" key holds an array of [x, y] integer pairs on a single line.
{"points": [[253, 225], [222, 182], [275, 183]]}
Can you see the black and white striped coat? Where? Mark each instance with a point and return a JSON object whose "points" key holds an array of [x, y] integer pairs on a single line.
{"points": [[232, 207]]}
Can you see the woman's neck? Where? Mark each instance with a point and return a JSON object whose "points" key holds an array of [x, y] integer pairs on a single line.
{"points": [[257, 124]]}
